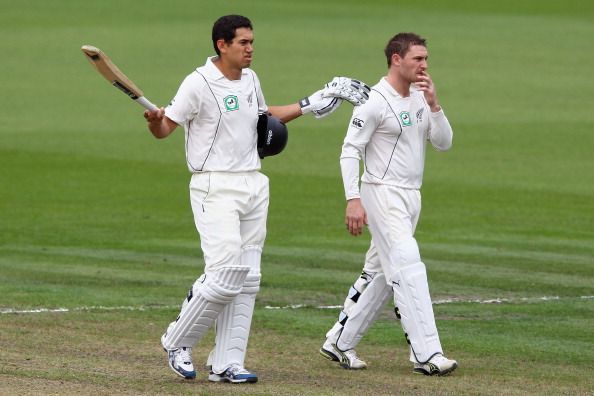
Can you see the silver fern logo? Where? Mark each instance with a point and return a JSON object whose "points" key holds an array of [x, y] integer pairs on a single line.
{"points": [[419, 115]]}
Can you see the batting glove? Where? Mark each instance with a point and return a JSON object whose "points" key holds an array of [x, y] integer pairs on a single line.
{"points": [[319, 105], [349, 89]]}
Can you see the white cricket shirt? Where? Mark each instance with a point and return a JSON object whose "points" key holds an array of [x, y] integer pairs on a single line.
{"points": [[389, 132], [219, 117]]}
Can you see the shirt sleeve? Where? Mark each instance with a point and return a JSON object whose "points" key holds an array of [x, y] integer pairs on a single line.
{"points": [[349, 167], [362, 125], [184, 105], [440, 132]]}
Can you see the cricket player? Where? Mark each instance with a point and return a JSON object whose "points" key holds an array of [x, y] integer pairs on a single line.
{"points": [[389, 133], [219, 105]]}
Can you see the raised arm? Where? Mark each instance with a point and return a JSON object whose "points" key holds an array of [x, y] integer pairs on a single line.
{"points": [[441, 134], [326, 100]]}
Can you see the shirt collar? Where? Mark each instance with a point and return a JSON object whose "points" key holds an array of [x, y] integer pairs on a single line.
{"points": [[212, 71], [384, 83]]}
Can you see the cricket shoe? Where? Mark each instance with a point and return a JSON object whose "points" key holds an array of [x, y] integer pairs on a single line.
{"points": [[235, 374], [437, 365], [180, 361], [347, 359]]}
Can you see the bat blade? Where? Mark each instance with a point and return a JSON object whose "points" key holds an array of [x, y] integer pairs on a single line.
{"points": [[100, 61]]}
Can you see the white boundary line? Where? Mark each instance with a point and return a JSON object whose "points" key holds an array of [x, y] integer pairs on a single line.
{"points": [[452, 301], [294, 306], [91, 308]]}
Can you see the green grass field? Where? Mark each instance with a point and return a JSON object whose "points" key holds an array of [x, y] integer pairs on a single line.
{"points": [[95, 216]]}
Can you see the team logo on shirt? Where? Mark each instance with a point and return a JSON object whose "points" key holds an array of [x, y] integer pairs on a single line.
{"points": [[231, 103], [405, 118]]}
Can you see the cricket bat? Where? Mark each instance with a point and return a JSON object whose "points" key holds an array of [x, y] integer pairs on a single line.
{"points": [[115, 76]]}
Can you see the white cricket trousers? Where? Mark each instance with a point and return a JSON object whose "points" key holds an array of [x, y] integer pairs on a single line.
{"points": [[392, 214], [230, 211]]}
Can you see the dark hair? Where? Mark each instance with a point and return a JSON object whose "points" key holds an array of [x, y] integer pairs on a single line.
{"points": [[401, 43], [224, 28]]}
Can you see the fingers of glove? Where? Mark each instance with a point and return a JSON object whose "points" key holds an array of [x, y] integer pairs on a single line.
{"points": [[361, 87], [354, 98], [336, 82], [350, 83], [356, 93], [360, 90], [340, 92]]}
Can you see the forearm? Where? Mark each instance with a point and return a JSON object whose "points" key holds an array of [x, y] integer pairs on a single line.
{"points": [[159, 125], [286, 113], [324, 101]]}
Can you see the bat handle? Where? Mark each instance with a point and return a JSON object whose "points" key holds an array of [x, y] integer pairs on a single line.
{"points": [[147, 104]]}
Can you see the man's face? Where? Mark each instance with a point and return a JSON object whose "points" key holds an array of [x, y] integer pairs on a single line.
{"points": [[239, 52], [414, 63]]}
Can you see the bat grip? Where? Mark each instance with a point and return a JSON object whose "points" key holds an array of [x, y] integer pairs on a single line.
{"points": [[147, 104]]}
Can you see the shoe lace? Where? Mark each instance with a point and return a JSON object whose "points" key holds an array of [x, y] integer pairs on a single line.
{"points": [[439, 360], [351, 354], [184, 355], [237, 369]]}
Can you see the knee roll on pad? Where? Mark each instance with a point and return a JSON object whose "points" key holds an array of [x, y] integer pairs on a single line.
{"points": [[223, 285], [251, 285], [207, 298], [251, 257], [405, 252], [411, 297]]}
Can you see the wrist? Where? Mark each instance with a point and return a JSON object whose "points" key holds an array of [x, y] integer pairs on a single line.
{"points": [[305, 105]]}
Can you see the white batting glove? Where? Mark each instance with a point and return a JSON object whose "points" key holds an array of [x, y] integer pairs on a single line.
{"points": [[319, 105], [349, 89]]}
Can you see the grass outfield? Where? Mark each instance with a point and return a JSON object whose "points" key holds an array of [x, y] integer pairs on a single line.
{"points": [[95, 223]]}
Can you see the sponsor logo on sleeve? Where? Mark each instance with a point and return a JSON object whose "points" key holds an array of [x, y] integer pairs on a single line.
{"points": [[357, 123]]}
